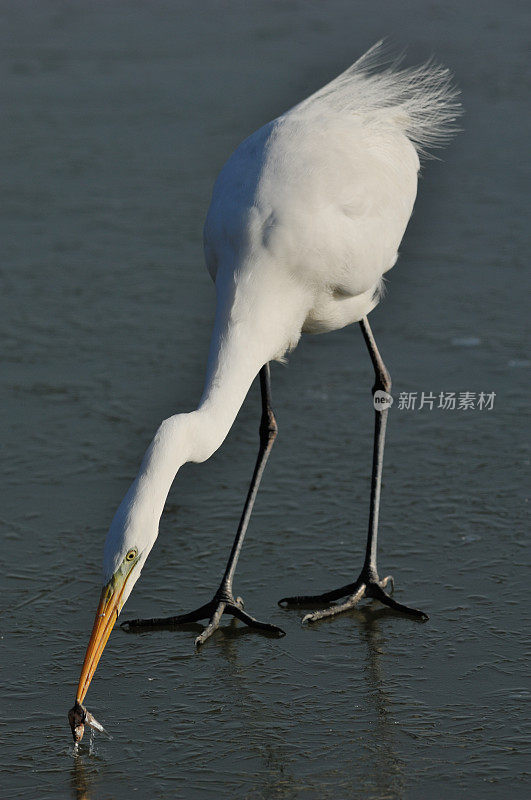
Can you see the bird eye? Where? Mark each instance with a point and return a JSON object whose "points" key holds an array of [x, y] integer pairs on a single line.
{"points": [[132, 554]]}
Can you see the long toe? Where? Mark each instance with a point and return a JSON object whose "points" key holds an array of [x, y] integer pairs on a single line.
{"points": [[212, 625], [266, 627], [204, 612], [317, 599], [334, 610], [375, 591]]}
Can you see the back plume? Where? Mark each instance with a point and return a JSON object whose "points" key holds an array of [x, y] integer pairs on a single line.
{"points": [[421, 101]]}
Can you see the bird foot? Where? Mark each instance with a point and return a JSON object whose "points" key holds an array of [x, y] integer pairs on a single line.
{"points": [[367, 585], [222, 603]]}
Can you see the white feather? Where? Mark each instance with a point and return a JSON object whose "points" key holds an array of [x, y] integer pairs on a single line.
{"points": [[421, 101]]}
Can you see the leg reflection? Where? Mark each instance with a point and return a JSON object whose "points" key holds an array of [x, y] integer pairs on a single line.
{"points": [[388, 773]]}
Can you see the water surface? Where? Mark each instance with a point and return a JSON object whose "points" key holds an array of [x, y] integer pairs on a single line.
{"points": [[116, 118]]}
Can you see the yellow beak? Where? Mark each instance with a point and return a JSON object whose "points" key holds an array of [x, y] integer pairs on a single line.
{"points": [[109, 607]]}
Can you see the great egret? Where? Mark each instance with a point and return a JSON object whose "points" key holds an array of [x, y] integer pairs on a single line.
{"points": [[306, 216]]}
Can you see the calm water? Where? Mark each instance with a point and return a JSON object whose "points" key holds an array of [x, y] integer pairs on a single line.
{"points": [[116, 118]]}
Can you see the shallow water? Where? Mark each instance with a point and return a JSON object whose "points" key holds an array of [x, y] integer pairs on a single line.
{"points": [[116, 118]]}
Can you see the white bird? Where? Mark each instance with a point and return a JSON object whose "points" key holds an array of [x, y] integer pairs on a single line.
{"points": [[306, 217]]}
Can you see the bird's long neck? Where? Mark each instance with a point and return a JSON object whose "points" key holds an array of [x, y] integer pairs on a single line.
{"points": [[246, 335], [197, 435], [238, 350]]}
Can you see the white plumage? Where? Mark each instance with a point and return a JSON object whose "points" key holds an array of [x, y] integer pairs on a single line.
{"points": [[306, 217], [323, 195]]}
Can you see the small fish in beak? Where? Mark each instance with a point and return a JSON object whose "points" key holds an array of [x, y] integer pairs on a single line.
{"points": [[78, 717]]}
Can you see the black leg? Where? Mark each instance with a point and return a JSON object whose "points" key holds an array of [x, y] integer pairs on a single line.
{"points": [[368, 583], [224, 600]]}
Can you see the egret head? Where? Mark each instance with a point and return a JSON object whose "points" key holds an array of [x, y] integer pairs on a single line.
{"points": [[128, 544]]}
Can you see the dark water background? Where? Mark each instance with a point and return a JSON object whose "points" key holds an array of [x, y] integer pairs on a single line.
{"points": [[115, 120]]}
